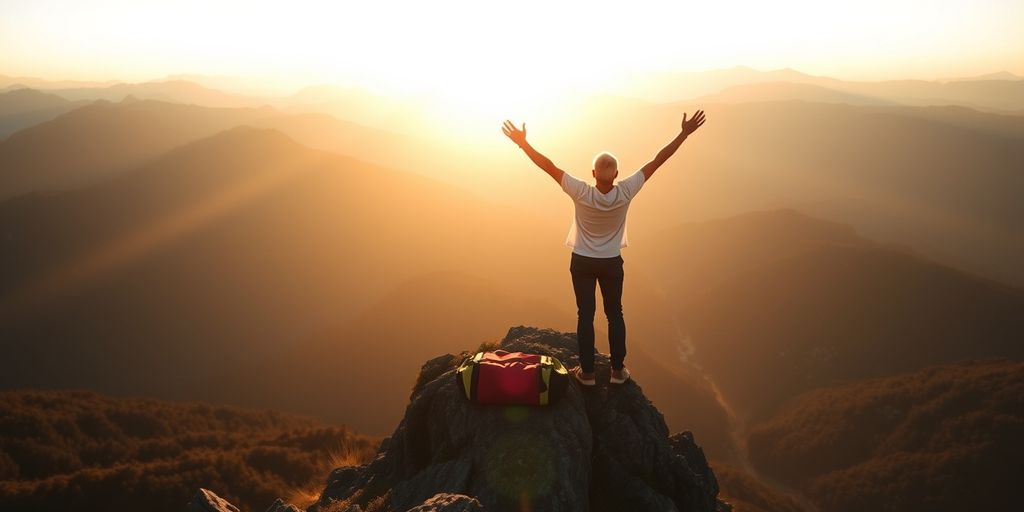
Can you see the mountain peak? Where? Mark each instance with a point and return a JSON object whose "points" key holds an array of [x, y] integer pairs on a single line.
{"points": [[264, 140], [600, 448], [998, 75]]}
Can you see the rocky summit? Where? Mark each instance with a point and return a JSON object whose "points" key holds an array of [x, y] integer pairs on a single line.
{"points": [[600, 448]]}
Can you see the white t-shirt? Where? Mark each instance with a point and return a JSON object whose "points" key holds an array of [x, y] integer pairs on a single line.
{"points": [[599, 227]]}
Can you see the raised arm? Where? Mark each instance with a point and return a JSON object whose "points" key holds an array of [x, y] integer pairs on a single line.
{"points": [[519, 137], [686, 129]]}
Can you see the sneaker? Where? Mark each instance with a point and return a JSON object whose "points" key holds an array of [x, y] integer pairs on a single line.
{"points": [[578, 374], [625, 377]]}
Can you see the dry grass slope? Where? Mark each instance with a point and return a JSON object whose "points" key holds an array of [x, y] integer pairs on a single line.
{"points": [[78, 450]]}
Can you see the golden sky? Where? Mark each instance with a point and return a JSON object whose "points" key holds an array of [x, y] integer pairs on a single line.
{"points": [[523, 46]]}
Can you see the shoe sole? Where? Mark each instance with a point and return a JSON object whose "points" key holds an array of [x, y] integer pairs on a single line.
{"points": [[582, 382], [617, 382]]}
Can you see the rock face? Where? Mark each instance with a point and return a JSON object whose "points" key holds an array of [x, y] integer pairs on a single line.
{"points": [[280, 506], [449, 503], [206, 500], [601, 448]]}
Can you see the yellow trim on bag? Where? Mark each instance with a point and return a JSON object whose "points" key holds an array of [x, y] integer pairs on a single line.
{"points": [[467, 373], [467, 382], [558, 367], [546, 377]]}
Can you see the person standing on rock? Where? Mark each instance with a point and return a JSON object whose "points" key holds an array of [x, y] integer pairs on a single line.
{"points": [[597, 235]]}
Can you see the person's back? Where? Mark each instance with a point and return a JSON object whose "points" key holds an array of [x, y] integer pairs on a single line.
{"points": [[598, 229], [596, 236]]}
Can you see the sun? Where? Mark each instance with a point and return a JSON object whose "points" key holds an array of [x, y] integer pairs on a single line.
{"points": [[470, 107]]}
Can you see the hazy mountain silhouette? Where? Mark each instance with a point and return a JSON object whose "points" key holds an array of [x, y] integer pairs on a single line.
{"points": [[861, 165], [43, 84], [103, 139], [92, 143], [246, 239], [990, 95], [250, 238], [692, 258], [998, 75], [955, 113], [380, 146], [21, 108], [944, 439], [177, 91], [1010, 126], [170, 258], [999, 123], [777, 304], [233, 245], [786, 91], [940, 185], [997, 93], [247, 85], [246, 243], [669, 86]]}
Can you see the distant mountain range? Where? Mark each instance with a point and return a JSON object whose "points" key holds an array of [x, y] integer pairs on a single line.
{"points": [[119, 152], [21, 82], [245, 239], [250, 239], [775, 304], [811, 245], [179, 91], [997, 92], [862, 165], [21, 108], [103, 139], [936, 179]]}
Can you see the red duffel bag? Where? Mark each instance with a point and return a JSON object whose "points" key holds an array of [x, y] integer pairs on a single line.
{"points": [[502, 377]]}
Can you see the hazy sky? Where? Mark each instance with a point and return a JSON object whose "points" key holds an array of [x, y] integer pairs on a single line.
{"points": [[427, 44]]}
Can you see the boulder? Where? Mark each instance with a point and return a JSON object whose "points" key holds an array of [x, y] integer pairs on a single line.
{"points": [[206, 500], [280, 506], [449, 503]]}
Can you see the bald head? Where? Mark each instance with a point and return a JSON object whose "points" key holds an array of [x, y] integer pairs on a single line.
{"points": [[606, 167]]}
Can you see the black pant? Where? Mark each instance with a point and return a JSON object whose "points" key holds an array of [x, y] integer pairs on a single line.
{"points": [[586, 273]]}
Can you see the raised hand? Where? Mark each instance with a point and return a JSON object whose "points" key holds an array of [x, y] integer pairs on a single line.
{"points": [[518, 136], [694, 123]]}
